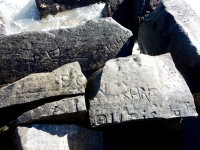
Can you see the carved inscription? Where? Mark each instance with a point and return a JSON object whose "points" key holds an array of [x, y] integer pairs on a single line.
{"points": [[129, 91], [135, 93], [126, 110]]}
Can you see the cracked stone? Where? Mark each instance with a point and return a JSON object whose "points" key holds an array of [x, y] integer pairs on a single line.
{"points": [[91, 44], [143, 87]]}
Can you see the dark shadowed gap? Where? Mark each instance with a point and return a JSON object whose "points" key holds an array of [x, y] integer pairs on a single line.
{"points": [[9, 114]]}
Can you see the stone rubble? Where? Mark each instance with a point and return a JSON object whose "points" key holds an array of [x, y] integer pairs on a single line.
{"points": [[56, 85]]}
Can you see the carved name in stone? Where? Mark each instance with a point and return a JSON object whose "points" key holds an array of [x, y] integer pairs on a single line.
{"points": [[66, 80], [138, 87]]}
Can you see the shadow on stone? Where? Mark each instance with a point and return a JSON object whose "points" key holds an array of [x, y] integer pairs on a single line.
{"points": [[50, 136], [141, 135], [9, 114]]}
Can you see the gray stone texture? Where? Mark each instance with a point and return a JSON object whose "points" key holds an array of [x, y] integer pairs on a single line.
{"points": [[91, 44], [52, 7], [65, 110], [66, 80], [57, 137], [138, 87], [174, 27]]}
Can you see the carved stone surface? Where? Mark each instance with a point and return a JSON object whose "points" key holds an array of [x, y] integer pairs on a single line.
{"points": [[68, 109], [66, 80], [91, 44], [54, 6], [174, 27], [138, 87], [57, 137]]}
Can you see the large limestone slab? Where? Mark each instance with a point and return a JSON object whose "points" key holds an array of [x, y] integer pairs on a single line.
{"points": [[68, 109], [91, 44], [174, 27], [66, 80], [138, 87], [57, 137]]}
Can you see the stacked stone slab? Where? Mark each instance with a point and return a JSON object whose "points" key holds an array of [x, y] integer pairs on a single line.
{"points": [[91, 44], [138, 87], [174, 27], [135, 88], [64, 110], [38, 89], [57, 137]]}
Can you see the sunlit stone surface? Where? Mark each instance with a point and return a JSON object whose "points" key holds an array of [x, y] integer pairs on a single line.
{"points": [[57, 137]]}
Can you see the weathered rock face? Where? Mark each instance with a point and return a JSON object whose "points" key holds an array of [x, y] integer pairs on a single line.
{"points": [[37, 89], [66, 80], [91, 44], [168, 30], [54, 6], [57, 137], [68, 109], [142, 87]]}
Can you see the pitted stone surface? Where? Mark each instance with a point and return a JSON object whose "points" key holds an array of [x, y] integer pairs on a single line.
{"points": [[68, 109], [57, 137], [66, 80], [174, 27], [91, 44], [138, 87]]}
